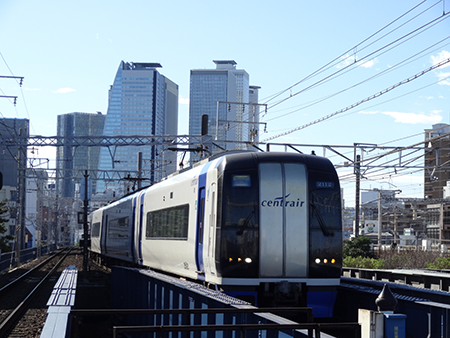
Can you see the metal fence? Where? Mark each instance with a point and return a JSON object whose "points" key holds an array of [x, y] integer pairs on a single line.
{"points": [[8, 259]]}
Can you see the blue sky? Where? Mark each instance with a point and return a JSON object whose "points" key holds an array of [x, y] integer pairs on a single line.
{"points": [[69, 52]]}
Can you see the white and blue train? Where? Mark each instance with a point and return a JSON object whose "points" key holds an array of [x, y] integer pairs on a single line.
{"points": [[260, 225]]}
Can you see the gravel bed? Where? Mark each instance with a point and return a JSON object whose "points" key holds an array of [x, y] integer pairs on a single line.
{"points": [[92, 292]]}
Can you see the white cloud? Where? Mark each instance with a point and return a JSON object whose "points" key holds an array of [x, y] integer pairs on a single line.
{"points": [[32, 89], [64, 90], [346, 60], [442, 56], [349, 59], [444, 78], [182, 100], [368, 64], [412, 118]]}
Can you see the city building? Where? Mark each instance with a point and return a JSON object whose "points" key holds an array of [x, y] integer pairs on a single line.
{"points": [[14, 132], [437, 161], [254, 114], [71, 162], [36, 183], [141, 102], [224, 95], [13, 162]]}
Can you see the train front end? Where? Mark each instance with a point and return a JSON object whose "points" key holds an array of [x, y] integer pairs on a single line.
{"points": [[279, 231]]}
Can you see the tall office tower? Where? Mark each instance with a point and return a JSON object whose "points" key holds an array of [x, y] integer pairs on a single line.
{"points": [[436, 173], [218, 94], [13, 163], [253, 114], [13, 132], [141, 102], [71, 162]]}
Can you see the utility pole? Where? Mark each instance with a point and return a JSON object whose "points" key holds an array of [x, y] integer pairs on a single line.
{"points": [[139, 170], [85, 225], [21, 195], [395, 226], [357, 192], [380, 221]]}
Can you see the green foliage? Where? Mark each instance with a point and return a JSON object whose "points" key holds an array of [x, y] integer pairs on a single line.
{"points": [[363, 262], [439, 263], [395, 259], [4, 240], [358, 247]]}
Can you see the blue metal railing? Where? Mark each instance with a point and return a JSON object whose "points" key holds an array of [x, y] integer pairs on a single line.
{"points": [[8, 259]]}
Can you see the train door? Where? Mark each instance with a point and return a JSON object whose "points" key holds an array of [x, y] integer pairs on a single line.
{"points": [[212, 228], [104, 233], [137, 226], [140, 226], [200, 231], [283, 220], [133, 231], [201, 221]]}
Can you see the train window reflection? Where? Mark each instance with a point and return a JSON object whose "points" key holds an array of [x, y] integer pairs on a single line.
{"points": [[170, 223]]}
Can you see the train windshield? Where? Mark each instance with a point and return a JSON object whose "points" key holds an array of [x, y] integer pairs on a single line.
{"points": [[325, 224], [239, 225]]}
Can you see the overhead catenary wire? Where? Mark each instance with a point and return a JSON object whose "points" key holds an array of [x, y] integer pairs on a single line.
{"points": [[386, 90], [21, 90], [331, 63], [400, 40], [392, 68]]}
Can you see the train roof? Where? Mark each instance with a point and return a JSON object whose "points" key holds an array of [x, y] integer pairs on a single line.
{"points": [[239, 158]]}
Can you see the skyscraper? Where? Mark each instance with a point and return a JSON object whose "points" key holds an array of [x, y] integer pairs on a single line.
{"points": [[141, 102], [13, 131], [13, 163], [70, 160], [253, 114], [218, 94]]}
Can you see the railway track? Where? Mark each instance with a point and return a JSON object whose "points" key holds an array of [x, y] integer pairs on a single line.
{"points": [[19, 315]]}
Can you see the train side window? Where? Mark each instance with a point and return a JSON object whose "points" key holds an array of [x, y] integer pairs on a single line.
{"points": [[169, 223], [95, 230], [118, 228]]}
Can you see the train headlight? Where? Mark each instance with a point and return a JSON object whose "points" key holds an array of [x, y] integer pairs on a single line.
{"points": [[248, 260], [325, 261], [230, 259], [317, 261], [333, 261]]}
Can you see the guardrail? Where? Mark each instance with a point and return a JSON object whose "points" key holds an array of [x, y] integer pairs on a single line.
{"points": [[174, 305], [8, 259], [428, 279]]}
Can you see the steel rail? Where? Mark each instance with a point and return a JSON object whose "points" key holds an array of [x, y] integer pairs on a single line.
{"points": [[17, 280], [18, 312]]}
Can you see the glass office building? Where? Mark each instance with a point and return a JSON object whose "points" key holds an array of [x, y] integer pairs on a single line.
{"points": [[217, 93], [141, 102], [71, 162], [14, 132]]}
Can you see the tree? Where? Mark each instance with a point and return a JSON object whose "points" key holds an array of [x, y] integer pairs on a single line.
{"points": [[4, 240], [358, 247]]}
